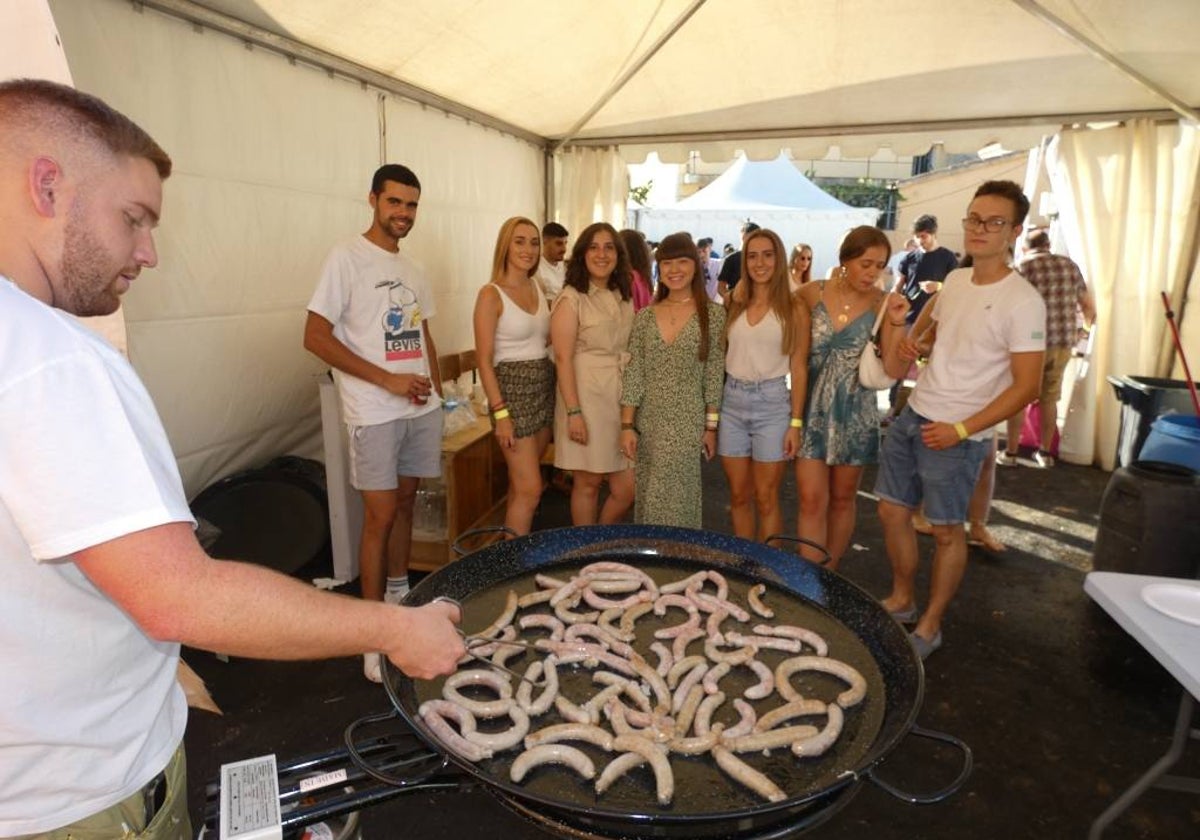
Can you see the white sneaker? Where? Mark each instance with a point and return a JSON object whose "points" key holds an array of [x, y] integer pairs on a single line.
{"points": [[1042, 460], [372, 670], [1005, 460]]}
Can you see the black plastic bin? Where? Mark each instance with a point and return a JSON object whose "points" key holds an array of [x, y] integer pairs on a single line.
{"points": [[1143, 400]]}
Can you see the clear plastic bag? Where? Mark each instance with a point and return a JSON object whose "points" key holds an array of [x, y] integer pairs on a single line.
{"points": [[457, 407]]}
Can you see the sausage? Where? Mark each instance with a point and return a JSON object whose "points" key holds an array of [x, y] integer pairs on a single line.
{"points": [[479, 676], [576, 759], [605, 623], [632, 615], [745, 724], [687, 710], [698, 745], [664, 601], [808, 637], [601, 738], [789, 710], [713, 626], [524, 695], [620, 585], [704, 712], [563, 611], [765, 642], [665, 659], [570, 711], [850, 697], [744, 774], [565, 651], [486, 649], [617, 768], [765, 686], [437, 713], [681, 585], [823, 740], [545, 622], [686, 684], [681, 667], [631, 688], [539, 597], [713, 678], [662, 694], [504, 619], [597, 701], [625, 570], [680, 645], [605, 640], [762, 741], [507, 738], [735, 657], [692, 625], [547, 582], [664, 779], [595, 599], [754, 597]]}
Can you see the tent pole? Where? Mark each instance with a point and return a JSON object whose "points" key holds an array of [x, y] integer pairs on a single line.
{"points": [[1177, 105]]}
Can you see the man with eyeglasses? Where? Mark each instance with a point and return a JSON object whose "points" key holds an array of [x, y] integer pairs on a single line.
{"points": [[985, 364]]}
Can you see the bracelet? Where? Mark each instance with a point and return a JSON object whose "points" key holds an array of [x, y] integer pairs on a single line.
{"points": [[627, 427], [796, 423], [499, 405], [710, 428], [901, 324], [712, 417], [961, 428], [571, 412], [502, 414]]}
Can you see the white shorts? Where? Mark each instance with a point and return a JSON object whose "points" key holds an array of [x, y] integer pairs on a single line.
{"points": [[410, 448]]}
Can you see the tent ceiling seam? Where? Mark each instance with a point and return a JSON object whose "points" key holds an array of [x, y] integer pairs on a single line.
{"points": [[1041, 13], [833, 131], [633, 70], [292, 50]]}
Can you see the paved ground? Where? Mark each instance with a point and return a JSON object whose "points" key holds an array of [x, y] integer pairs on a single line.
{"points": [[1063, 711]]}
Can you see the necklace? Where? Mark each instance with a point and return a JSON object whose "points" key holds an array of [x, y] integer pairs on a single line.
{"points": [[677, 300], [844, 315]]}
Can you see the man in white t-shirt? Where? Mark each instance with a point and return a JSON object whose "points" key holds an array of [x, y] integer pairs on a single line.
{"points": [[103, 576], [985, 364], [552, 267], [369, 320]]}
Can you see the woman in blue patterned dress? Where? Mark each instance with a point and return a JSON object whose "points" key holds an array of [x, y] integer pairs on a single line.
{"points": [[841, 417]]}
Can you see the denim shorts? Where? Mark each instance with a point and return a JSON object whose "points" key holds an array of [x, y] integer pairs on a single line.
{"points": [[410, 448], [911, 473], [754, 419]]}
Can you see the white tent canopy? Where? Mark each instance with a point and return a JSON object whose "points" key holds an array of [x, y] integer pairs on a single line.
{"points": [[774, 194], [277, 111]]}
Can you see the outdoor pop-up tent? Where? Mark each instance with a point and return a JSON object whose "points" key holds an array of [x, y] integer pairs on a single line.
{"points": [[277, 111], [773, 194]]}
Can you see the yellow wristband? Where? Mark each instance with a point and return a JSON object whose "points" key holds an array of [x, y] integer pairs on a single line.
{"points": [[961, 428], [796, 423], [712, 417], [501, 414]]}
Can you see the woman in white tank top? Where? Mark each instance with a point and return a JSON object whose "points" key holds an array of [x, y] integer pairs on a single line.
{"points": [[760, 417], [512, 327]]}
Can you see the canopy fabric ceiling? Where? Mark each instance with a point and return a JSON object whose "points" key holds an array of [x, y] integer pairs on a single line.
{"points": [[771, 73]]}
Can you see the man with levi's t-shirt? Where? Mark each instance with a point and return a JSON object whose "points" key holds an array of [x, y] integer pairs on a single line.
{"points": [[985, 364], [369, 320]]}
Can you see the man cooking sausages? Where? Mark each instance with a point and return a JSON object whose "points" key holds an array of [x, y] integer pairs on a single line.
{"points": [[103, 577]]}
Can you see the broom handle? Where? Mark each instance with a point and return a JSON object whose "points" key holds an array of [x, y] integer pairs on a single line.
{"points": [[1179, 349]]}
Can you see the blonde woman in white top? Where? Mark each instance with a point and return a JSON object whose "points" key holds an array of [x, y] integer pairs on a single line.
{"points": [[760, 419], [512, 328]]}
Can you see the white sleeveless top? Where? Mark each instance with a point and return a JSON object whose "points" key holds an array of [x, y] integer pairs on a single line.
{"points": [[754, 351], [519, 335]]}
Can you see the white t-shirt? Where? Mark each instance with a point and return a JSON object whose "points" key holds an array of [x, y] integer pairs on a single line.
{"points": [[755, 352], [377, 302], [90, 709], [978, 327], [551, 277]]}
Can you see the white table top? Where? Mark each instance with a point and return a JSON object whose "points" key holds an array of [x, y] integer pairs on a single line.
{"points": [[1174, 643]]}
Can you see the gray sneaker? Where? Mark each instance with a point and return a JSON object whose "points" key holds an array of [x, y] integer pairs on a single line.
{"points": [[1006, 459], [1041, 460]]}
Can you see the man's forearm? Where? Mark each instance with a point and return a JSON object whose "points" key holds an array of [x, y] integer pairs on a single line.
{"points": [[1011, 400], [334, 353]]}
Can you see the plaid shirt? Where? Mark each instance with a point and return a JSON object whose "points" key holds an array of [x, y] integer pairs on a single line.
{"points": [[1062, 287]]}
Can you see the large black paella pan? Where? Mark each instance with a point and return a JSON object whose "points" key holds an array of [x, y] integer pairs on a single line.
{"points": [[706, 802]]}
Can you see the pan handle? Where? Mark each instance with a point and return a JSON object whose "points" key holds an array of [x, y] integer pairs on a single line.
{"points": [[802, 541], [424, 762], [936, 796], [475, 532]]}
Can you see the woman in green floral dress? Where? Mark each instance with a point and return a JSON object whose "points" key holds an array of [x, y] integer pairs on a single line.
{"points": [[671, 393]]}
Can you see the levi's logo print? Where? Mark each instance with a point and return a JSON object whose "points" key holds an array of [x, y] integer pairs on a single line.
{"points": [[401, 323]]}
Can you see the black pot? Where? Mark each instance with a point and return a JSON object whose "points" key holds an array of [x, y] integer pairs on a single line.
{"points": [[859, 630]]}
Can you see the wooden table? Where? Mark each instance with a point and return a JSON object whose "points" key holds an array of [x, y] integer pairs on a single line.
{"points": [[476, 482]]}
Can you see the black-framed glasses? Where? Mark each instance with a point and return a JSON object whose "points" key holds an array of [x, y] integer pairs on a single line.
{"points": [[992, 225]]}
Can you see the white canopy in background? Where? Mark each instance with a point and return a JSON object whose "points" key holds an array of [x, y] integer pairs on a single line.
{"points": [[276, 112], [773, 194]]}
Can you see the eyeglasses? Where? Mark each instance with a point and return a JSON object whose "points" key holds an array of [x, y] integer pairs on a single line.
{"points": [[992, 225]]}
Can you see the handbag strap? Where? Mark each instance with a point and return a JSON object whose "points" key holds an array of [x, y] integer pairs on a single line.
{"points": [[879, 317]]}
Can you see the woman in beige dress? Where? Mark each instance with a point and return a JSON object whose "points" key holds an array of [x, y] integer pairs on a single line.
{"points": [[589, 330]]}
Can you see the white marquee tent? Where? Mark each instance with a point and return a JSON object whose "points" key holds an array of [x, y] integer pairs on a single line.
{"points": [[774, 194], [277, 111]]}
